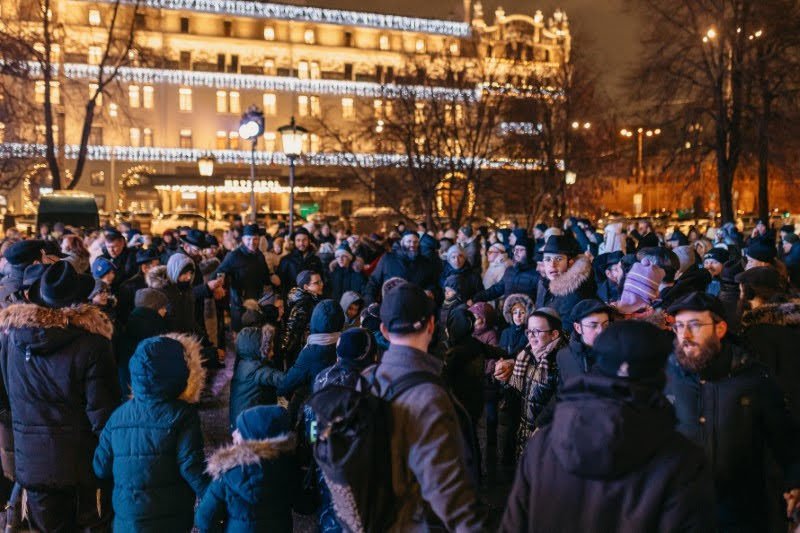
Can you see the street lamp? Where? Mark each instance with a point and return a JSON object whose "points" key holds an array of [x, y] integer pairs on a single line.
{"points": [[206, 167], [292, 139], [251, 128]]}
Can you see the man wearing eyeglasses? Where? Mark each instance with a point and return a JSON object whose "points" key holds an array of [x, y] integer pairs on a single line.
{"points": [[590, 319], [728, 403]]}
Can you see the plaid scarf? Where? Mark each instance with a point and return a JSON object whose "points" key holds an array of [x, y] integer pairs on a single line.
{"points": [[525, 369]]}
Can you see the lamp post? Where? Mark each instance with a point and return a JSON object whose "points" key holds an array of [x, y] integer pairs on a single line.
{"points": [[206, 167], [641, 133], [251, 128], [292, 139]]}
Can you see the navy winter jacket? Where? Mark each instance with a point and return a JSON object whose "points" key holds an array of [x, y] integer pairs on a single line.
{"points": [[397, 264]]}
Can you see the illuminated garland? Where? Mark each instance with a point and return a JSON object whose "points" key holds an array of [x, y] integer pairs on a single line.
{"points": [[131, 178], [243, 186], [29, 205], [520, 128], [263, 10], [242, 157], [446, 188]]}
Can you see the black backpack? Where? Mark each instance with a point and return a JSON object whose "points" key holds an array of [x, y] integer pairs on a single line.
{"points": [[352, 447]]}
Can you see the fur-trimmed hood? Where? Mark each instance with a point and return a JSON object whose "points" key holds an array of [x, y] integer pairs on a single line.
{"points": [[84, 317], [249, 452], [197, 373], [780, 314], [513, 300], [156, 278], [157, 373], [571, 280]]}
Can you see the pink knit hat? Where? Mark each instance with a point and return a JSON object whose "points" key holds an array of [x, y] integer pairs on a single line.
{"points": [[641, 287]]}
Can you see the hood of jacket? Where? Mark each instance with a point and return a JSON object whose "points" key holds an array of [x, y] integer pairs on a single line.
{"points": [[779, 314], [348, 299], [176, 264], [571, 280], [160, 372], [44, 330], [460, 323], [156, 278], [327, 317], [604, 428], [513, 300], [428, 245], [248, 344], [484, 311]]}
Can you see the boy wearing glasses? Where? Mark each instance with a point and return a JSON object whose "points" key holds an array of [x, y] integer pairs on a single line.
{"points": [[590, 319], [728, 404]]}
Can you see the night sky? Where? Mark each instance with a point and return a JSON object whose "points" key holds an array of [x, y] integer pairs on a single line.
{"points": [[602, 25]]}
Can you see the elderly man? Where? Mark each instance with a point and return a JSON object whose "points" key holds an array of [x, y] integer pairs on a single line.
{"points": [[406, 263]]}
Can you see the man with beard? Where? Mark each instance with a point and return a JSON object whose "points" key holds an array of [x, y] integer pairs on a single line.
{"points": [[730, 405], [519, 278], [405, 262], [300, 259]]}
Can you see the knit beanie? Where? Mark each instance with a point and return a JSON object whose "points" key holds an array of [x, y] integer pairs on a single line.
{"points": [[355, 348], [263, 422], [761, 250], [641, 287], [151, 299]]}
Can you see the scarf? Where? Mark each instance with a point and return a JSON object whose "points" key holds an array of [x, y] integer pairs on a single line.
{"points": [[523, 362], [323, 339]]}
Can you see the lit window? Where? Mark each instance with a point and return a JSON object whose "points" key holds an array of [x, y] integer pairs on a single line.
{"points": [[454, 49], [233, 138], [419, 113], [222, 102], [222, 140], [135, 136], [39, 92], [384, 42], [269, 141], [302, 70], [2, 132], [314, 143], [420, 46], [306, 144], [459, 113], [95, 55], [55, 92], [92, 90], [388, 108], [94, 17], [186, 138], [113, 110], [185, 99], [147, 96], [302, 105], [309, 37], [270, 104], [269, 67], [348, 111], [315, 108], [315, 72], [134, 100], [147, 135], [55, 53], [269, 33], [235, 105], [378, 106]]}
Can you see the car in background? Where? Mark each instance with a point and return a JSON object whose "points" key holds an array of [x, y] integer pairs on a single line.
{"points": [[191, 219]]}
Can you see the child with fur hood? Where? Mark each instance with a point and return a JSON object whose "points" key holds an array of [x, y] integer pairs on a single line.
{"points": [[249, 386], [255, 479], [152, 446]]}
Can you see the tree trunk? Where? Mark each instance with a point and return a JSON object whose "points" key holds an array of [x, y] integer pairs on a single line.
{"points": [[763, 162], [85, 133], [725, 186]]}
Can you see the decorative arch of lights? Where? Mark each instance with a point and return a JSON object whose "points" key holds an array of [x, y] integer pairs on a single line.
{"points": [[449, 186], [29, 203], [131, 178]]}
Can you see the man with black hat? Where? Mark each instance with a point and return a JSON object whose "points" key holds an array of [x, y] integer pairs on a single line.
{"points": [[192, 245], [730, 405], [471, 246], [300, 259], [790, 246], [405, 262], [60, 383], [122, 257], [568, 277], [247, 272], [430, 447], [760, 252], [714, 261], [590, 318], [19, 256], [609, 275], [146, 259], [612, 460], [519, 278]]}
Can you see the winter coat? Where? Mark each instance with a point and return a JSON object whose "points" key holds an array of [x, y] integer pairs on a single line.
{"points": [[611, 461], [564, 292], [249, 385], [734, 411], [430, 474], [299, 306], [60, 382], [472, 249], [181, 301], [143, 323], [126, 266], [247, 274], [792, 262], [469, 280], [348, 299], [772, 334], [520, 278], [573, 360], [126, 296], [419, 270], [152, 446], [342, 280], [608, 291], [512, 338], [294, 263], [487, 333], [11, 287], [252, 488]]}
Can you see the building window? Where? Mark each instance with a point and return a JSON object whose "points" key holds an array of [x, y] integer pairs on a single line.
{"points": [[185, 99], [348, 71], [112, 110], [222, 102], [134, 100], [227, 28], [348, 111], [269, 67], [309, 36], [348, 39], [185, 60], [420, 46], [315, 107], [135, 136], [140, 21], [98, 178], [233, 140], [388, 108], [186, 138], [454, 49], [378, 106], [147, 135], [383, 42], [220, 62], [302, 70], [148, 96], [315, 73], [302, 105], [94, 17], [222, 140], [55, 92], [2, 132], [93, 89], [314, 146], [270, 104], [235, 102], [269, 33], [269, 141], [95, 55], [95, 135], [184, 24], [419, 113]]}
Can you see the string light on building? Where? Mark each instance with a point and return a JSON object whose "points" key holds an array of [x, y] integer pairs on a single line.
{"points": [[520, 128], [233, 186]]}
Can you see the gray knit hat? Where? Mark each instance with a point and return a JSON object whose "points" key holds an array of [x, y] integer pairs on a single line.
{"points": [[150, 298]]}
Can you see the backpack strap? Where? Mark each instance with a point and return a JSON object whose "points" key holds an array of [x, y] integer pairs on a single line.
{"points": [[410, 381]]}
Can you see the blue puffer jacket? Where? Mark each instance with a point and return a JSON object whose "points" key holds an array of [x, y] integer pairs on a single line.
{"points": [[249, 386], [152, 445], [255, 479]]}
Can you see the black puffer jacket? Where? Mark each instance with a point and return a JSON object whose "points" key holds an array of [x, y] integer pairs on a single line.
{"points": [[611, 461], [397, 264], [294, 263], [180, 302], [127, 296], [564, 292], [61, 384], [735, 411], [299, 306], [247, 273]]}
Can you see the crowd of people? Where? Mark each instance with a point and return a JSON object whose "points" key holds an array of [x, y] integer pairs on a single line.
{"points": [[632, 380]]}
